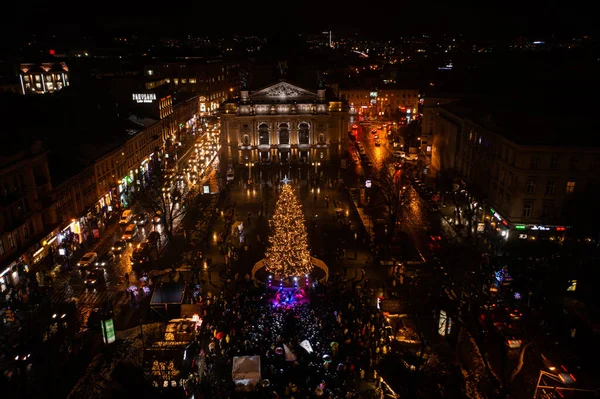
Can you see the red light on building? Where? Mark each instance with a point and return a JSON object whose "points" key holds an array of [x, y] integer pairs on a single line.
{"points": [[504, 222], [52, 52], [561, 229]]}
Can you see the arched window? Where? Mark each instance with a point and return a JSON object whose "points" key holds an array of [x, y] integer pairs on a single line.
{"points": [[321, 138], [284, 133], [263, 133], [246, 140], [303, 133]]}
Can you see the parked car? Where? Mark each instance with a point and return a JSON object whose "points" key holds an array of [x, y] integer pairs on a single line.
{"points": [[157, 219], [105, 260], [130, 232], [95, 278], [412, 157], [88, 259], [399, 154], [126, 217], [141, 254], [119, 246]]}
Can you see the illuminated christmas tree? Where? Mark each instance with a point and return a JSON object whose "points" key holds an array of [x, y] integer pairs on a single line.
{"points": [[288, 254]]}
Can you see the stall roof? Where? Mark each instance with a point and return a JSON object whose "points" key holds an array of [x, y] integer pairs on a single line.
{"points": [[168, 293]]}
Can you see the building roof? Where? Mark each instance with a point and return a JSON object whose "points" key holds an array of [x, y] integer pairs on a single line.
{"points": [[529, 118], [75, 130]]}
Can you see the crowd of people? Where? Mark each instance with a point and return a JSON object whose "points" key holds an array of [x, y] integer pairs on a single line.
{"points": [[347, 339]]}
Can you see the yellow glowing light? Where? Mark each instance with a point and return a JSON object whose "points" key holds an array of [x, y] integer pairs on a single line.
{"points": [[288, 254]]}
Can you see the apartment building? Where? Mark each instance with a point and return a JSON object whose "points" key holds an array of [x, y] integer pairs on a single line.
{"points": [[535, 171], [43, 77], [26, 213], [215, 79], [388, 100]]}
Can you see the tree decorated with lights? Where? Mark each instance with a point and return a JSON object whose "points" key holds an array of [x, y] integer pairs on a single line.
{"points": [[288, 254]]}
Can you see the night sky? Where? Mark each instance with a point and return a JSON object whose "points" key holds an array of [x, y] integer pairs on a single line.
{"points": [[390, 20]]}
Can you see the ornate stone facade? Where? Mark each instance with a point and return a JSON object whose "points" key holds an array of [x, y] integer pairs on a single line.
{"points": [[283, 123]]}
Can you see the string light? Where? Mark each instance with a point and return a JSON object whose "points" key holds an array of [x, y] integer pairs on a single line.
{"points": [[288, 253]]}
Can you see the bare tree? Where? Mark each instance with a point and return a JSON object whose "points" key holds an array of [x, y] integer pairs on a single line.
{"points": [[162, 196], [390, 195]]}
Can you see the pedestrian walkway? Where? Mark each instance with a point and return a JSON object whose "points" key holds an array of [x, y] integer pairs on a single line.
{"points": [[89, 297]]}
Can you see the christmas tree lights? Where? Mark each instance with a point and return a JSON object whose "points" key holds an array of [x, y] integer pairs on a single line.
{"points": [[288, 254]]}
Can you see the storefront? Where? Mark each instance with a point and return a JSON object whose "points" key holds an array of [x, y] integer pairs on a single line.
{"points": [[499, 224], [538, 231], [13, 274]]}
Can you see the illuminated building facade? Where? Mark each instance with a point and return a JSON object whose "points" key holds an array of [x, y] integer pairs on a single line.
{"points": [[43, 78], [387, 101], [283, 123], [26, 211], [529, 172]]}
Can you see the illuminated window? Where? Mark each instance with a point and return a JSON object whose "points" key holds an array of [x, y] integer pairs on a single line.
{"points": [[38, 86], [303, 133], [150, 72], [26, 78], [183, 81], [37, 78], [570, 187], [527, 210], [176, 81], [192, 80], [284, 133], [263, 134]]}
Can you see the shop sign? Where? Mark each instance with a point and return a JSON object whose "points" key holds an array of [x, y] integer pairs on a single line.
{"points": [[108, 331], [541, 228], [520, 227], [142, 98]]}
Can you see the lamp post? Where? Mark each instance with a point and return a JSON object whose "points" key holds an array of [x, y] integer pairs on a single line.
{"points": [[249, 165]]}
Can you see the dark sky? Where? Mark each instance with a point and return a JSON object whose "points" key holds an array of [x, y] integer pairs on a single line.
{"points": [[381, 18]]}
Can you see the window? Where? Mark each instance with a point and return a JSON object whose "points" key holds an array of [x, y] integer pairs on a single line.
{"points": [[284, 134], [535, 162], [570, 187], [26, 78], [554, 163], [574, 164], [546, 210], [531, 187], [11, 240], [2, 250], [246, 140], [321, 138], [263, 134], [527, 210], [303, 133], [25, 232], [550, 187]]}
